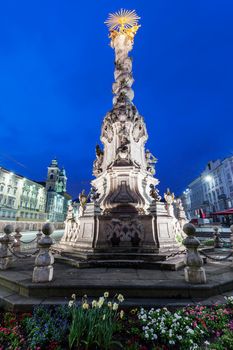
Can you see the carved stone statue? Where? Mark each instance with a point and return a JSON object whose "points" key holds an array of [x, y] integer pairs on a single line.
{"points": [[83, 201], [97, 166], [107, 131], [138, 131], [70, 212], [94, 195], [179, 204], [169, 198], [123, 149], [154, 193], [151, 161]]}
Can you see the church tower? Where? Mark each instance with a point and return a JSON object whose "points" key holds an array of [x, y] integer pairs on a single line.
{"points": [[53, 175], [61, 182]]}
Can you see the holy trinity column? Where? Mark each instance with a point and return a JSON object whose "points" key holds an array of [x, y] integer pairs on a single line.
{"points": [[124, 170], [125, 213]]}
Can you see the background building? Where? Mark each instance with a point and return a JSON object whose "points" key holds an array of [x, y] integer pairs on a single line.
{"points": [[31, 203], [212, 191]]}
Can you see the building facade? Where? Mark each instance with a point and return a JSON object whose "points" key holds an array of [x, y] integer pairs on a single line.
{"points": [[32, 203], [212, 191], [21, 200]]}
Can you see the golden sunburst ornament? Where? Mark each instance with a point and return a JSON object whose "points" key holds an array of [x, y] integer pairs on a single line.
{"points": [[123, 19]]}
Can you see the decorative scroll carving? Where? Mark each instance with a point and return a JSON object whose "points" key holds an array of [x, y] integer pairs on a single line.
{"points": [[125, 231]]}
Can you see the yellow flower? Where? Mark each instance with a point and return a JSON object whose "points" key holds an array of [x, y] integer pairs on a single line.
{"points": [[106, 294], [121, 314], [73, 296], [71, 302], [115, 306], [120, 298], [110, 304], [94, 303], [85, 306]]}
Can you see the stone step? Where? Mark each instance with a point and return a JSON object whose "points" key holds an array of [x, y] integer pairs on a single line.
{"points": [[12, 301], [170, 264]]}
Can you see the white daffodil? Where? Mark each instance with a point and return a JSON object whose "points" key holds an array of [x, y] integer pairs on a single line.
{"points": [[115, 306]]}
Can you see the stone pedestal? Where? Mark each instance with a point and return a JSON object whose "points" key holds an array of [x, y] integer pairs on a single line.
{"points": [[120, 232], [194, 272], [6, 258], [43, 270]]}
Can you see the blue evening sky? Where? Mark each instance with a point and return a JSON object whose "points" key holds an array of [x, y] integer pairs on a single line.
{"points": [[56, 71]]}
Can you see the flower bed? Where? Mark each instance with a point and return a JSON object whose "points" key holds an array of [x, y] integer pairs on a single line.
{"points": [[102, 324]]}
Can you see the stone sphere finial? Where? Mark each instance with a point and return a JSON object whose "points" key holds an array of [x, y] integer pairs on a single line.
{"points": [[231, 228], [47, 229], [8, 229], [18, 229], [189, 229]]}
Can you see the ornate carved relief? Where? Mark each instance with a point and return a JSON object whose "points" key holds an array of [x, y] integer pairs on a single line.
{"points": [[125, 231], [107, 131]]}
